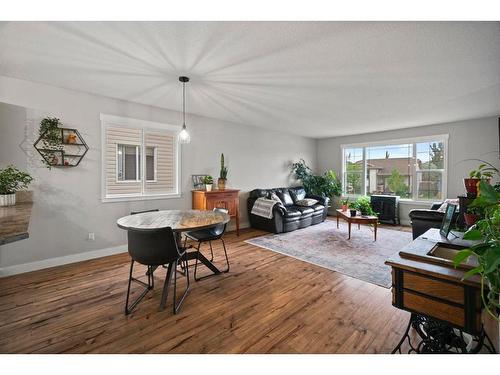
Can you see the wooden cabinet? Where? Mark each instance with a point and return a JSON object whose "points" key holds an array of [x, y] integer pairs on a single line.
{"points": [[228, 199]]}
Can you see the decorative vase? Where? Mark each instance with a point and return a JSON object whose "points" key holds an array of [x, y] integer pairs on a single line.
{"points": [[208, 187], [7, 199], [221, 183], [353, 213], [344, 207]]}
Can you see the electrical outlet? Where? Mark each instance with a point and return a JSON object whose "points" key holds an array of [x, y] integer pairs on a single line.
{"points": [[91, 237]]}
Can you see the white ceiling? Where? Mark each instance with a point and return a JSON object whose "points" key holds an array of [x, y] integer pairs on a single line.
{"points": [[316, 79]]}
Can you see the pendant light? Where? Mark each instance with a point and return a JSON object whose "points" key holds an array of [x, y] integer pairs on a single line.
{"points": [[184, 136]]}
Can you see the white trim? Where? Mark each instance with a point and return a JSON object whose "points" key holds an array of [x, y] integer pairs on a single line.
{"points": [[59, 261], [144, 125], [438, 137], [443, 137]]}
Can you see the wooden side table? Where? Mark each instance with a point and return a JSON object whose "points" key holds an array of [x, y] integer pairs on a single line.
{"points": [[227, 199]]}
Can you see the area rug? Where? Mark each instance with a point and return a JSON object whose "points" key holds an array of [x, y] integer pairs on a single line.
{"points": [[324, 245]]}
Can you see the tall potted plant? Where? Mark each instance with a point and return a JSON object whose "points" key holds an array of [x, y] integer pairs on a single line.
{"points": [[325, 185], [487, 251], [12, 180], [221, 182]]}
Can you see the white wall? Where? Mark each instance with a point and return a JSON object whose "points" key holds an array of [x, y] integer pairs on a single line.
{"points": [[468, 139], [67, 201]]}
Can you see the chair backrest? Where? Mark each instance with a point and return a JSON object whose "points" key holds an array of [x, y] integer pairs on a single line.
{"points": [[141, 212], [153, 247], [219, 230]]}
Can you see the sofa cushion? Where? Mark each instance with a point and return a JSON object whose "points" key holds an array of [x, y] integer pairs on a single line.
{"points": [[292, 213], [303, 210], [318, 207], [306, 202], [297, 193], [285, 197]]}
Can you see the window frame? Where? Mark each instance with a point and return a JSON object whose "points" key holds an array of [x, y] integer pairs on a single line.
{"points": [[137, 160], [155, 164], [438, 137], [144, 126]]}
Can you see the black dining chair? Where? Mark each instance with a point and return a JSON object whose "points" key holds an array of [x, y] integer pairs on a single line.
{"points": [[154, 248], [209, 235], [141, 212]]}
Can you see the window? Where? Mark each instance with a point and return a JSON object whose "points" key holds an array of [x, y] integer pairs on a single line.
{"points": [[413, 169], [140, 159]]}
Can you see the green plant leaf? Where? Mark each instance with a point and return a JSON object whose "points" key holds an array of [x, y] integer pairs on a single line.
{"points": [[473, 235], [472, 272], [461, 256], [492, 259]]}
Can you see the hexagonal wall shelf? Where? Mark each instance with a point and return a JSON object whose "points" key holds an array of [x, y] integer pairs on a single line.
{"points": [[68, 153]]}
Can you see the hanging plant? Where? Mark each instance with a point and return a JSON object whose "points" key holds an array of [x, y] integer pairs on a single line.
{"points": [[51, 138]]}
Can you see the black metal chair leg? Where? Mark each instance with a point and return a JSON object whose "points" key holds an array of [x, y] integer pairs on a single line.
{"points": [[211, 251], [166, 285], [225, 253], [196, 261], [147, 288], [177, 306]]}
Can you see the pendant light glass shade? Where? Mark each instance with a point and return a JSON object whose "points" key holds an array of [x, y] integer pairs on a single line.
{"points": [[184, 136]]}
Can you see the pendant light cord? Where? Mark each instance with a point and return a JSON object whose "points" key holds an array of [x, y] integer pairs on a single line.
{"points": [[184, 104]]}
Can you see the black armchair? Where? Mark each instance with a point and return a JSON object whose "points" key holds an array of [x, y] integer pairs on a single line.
{"points": [[424, 219]]}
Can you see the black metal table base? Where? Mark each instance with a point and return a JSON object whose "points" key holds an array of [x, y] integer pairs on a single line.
{"points": [[438, 337]]}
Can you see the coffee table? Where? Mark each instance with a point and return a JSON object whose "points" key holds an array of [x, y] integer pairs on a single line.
{"points": [[346, 215]]}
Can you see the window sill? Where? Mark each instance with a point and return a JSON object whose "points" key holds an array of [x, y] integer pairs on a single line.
{"points": [[401, 201], [131, 198]]}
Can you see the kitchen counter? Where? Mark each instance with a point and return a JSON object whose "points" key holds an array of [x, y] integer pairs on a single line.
{"points": [[14, 222]]}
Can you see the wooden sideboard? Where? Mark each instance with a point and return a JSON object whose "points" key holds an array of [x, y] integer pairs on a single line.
{"points": [[227, 198]]}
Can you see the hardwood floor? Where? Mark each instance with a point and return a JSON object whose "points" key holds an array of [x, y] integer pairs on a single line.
{"points": [[267, 303]]}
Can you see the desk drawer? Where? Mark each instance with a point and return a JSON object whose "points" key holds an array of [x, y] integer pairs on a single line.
{"points": [[228, 204], [216, 196], [432, 287]]}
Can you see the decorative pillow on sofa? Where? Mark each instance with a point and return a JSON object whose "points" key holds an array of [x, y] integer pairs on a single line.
{"points": [[306, 202], [442, 208]]}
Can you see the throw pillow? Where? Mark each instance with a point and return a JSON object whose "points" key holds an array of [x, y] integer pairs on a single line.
{"points": [[442, 208], [307, 202]]}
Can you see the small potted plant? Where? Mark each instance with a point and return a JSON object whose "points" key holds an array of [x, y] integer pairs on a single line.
{"points": [[12, 180], [344, 203], [208, 181], [483, 172], [472, 215], [221, 182], [363, 205]]}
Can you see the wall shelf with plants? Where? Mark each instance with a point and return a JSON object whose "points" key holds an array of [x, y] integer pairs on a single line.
{"points": [[59, 146]]}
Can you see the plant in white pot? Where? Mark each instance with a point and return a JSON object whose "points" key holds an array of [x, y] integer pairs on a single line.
{"points": [[12, 180], [208, 181]]}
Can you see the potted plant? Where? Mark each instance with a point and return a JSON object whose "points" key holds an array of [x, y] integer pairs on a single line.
{"points": [[344, 203], [483, 172], [51, 137], [325, 185], [221, 182], [472, 215], [363, 205], [208, 181], [487, 251], [12, 180]]}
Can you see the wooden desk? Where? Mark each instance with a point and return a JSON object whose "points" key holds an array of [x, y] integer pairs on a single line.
{"points": [[227, 199], [430, 288]]}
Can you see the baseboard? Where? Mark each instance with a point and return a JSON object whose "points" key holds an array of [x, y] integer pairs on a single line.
{"points": [[59, 261], [67, 259]]}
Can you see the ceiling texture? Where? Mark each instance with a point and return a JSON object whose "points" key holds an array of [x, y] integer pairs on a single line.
{"points": [[316, 79]]}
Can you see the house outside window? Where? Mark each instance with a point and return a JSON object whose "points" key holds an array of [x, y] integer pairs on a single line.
{"points": [[410, 169], [140, 159]]}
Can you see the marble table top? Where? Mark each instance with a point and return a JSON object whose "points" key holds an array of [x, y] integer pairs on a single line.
{"points": [[178, 220]]}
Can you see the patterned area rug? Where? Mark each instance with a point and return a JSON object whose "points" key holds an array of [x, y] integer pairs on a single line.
{"points": [[326, 246]]}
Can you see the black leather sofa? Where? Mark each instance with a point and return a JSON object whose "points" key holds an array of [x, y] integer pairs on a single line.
{"points": [[424, 219], [287, 216]]}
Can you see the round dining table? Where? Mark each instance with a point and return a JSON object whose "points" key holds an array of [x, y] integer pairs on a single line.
{"points": [[180, 221]]}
